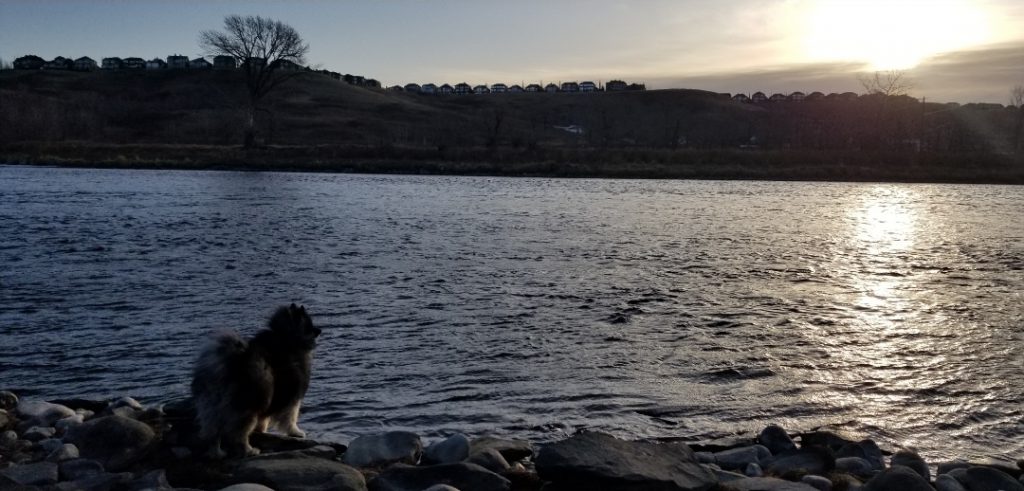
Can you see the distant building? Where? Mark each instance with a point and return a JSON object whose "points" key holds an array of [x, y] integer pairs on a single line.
{"points": [[29, 62], [112, 63], [85, 64], [551, 88], [133, 64], [570, 87], [481, 89], [463, 88], [778, 98], [814, 96], [534, 88], [848, 96], [224, 62], [741, 98], [446, 90], [396, 88], [513, 88], [616, 86], [415, 88], [428, 89], [59, 63], [499, 88], [286, 65], [636, 86], [758, 97], [372, 82], [177, 62], [156, 64], [588, 86], [200, 64], [797, 96]]}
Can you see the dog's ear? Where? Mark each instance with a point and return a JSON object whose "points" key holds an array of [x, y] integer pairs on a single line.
{"points": [[282, 319]]}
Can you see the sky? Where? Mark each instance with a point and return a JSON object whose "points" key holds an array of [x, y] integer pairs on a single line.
{"points": [[952, 50]]}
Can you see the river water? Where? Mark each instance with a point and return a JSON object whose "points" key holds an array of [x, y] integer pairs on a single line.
{"points": [[536, 307]]}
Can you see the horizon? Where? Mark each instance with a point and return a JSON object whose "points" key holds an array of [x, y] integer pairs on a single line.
{"points": [[956, 51]]}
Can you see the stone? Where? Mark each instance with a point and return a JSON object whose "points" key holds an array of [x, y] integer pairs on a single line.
{"points": [[946, 482], [738, 458], [246, 486], [461, 475], [103, 481], [767, 484], [64, 424], [947, 467], [491, 460], [37, 474], [8, 401], [43, 413], [776, 440], [980, 478], [813, 460], [727, 476], [753, 469], [899, 478], [49, 445], [126, 402], [856, 466], [383, 449], [181, 452], [123, 411], [600, 461], [298, 471], [441, 487], [512, 450], [912, 461], [8, 439], [828, 439], [865, 449], [115, 441], [821, 483], [75, 469], [705, 457], [66, 451], [5, 419], [450, 450], [153, 480], [39, 433], [269, 442]]}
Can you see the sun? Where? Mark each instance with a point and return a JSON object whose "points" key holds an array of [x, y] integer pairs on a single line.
{"points": [[892, 34]]}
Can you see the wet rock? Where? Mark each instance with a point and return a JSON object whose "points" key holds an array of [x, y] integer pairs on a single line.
{"points": [[104, 481], [912, 461], [767, 484], [153, 480], [270, 443], [38, 433], [726, 476], [8, 439], [813, 460], [5, 419], [776, 439], [898, 478], [246, 486], [37, 474], [387, 448], [450, 450], [705, 457], [66, 451], [115, 441], [739, 458], [828, 439], [820, 483], [980, 478], [856, 466], [846, 481], [8, 401], [48, 445], [753, 470], [43, 413], [512, 450], [441, 487], [297, 470], [462, 475], [75, 469], [865, 449], [946, 482], [947, 467], [64, 424], [181, 452], [126, 402], [601, 461], [123, 411], [491, 460]]}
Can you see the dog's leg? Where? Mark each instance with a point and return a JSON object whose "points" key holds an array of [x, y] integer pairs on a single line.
{"points": [[239, 434], [261, 427], [291, 421]]}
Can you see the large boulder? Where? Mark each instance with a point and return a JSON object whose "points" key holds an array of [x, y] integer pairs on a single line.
{"points": [[776, 439], [8, 401], [897, 478], [491, 460], [738, 458], [512, 450], [979, 478], [865, 449], [856, 466], [37, 474], [601, 461], [299, 471], [115, 441], [43, 413], [462, 475], [767, 484], [946, 482], [387, 448], [448, 451], [808, 460], [913, 461]]}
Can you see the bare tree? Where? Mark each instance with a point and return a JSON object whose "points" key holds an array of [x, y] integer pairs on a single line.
{"points": [[1017, 96], [1017, 100], [888, 83], [270, 52]]}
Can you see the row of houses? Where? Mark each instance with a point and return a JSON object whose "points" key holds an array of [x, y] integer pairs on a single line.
{"points": [[500, 88], [173, 62], [760, 97]]}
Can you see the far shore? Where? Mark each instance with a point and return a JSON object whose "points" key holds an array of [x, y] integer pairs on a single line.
{"points": [[567, 162]]}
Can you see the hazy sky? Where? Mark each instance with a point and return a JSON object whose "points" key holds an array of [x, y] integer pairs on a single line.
{"points": [[955, 50]]}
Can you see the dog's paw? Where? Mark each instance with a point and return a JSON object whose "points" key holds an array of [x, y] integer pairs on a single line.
{"points": [[296, 432], [251, 451]]}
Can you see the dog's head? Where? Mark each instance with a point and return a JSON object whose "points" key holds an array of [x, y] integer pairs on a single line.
{"points": [[295, 322]]}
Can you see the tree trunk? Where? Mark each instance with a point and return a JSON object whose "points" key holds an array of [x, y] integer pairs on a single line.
{"points": [[250, 127]]}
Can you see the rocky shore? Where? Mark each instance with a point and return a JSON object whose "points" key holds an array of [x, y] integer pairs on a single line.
{"points": [[121, 445]]}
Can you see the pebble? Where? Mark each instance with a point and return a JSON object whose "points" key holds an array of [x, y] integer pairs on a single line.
{"points": [[5, 419], [49, 445], [37, 433], [8, 438], [821, 483], [8, 401], [66, 451], [375, 450], [63, 425]]}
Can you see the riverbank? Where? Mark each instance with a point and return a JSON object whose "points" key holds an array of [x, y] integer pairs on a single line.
{"points": [[121, 444], [581, 162]]}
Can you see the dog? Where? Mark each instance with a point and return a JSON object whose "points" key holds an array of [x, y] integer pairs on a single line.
{"points": [[240, 387]]}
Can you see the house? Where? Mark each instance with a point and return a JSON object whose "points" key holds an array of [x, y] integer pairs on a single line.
{"points": [[446, 90], [797, 97], [112, 63], [588, 86], [396, 88], [85, 64], [463, 88], [224, 62], [427, 89], [59, 63], [551, 88], [534, 88], [156, 64], [177, 62], [615, 86], [29, 62], [848, 96], [758, 97], [741, 98], [286, 65], [481, 89], [372, 82], [415, 88], [499, 88], [814, 96], [513, 88], [570, 87], [636, 86], [133, 63], [778, 98], [200, 64]]}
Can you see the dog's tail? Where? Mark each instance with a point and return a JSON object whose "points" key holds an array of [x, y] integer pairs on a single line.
{"points": [[211, 379]]}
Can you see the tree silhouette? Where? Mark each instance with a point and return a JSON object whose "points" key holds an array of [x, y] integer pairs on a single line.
{"points": [[888, 83]]}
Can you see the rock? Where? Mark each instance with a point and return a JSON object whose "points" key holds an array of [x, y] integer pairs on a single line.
{"points": [[75, 469], [296, 470], [898, 478], [776, 439], [126, 402], [441, 487], [5, 419], [269, 443], [705, 457], [865, 449], [461, 475], [512, 450], [38, 433], [8, 439], [181, 452], [43, 413], [738, 458], [37, 474], [123, 411], [767, 484], [64, 424], [8, 401], [115, 441], [856, 466], [491, 460], [753, 469], [450, 450], [827, 439], [845, 481], [601, 461], [727, 476], [821, 483], [912, 461], [246, 486], [153, 480], [103, 481], [807, 460], [980, 478], [387, 448], [66, 451], [947, 467], [946, 482], [49, 445]]}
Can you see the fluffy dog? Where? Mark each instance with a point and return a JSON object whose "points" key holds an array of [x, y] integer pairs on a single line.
{"points": [[240, 387]]}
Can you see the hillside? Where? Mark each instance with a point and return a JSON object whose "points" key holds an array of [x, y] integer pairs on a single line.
{"points": [[194, 119]]}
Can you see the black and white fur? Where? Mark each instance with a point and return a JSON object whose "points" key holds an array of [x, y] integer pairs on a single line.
{"points": [[244, 386]]}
